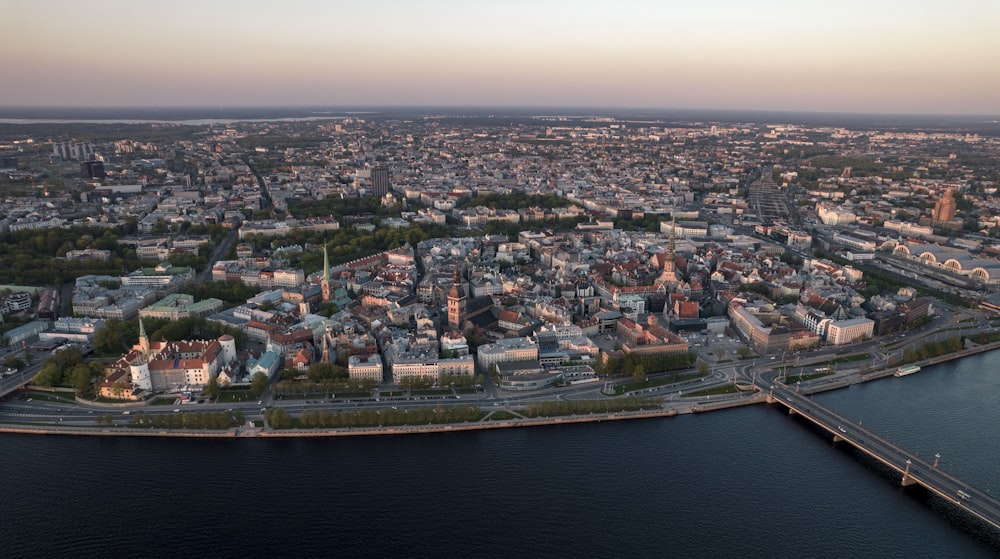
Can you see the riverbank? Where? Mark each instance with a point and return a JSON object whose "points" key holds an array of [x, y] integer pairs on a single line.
{"points": [[258, 432], [817, 386], [695, 406]]}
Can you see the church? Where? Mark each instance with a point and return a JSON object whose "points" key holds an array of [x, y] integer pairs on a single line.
{"points": [[466, 313]]}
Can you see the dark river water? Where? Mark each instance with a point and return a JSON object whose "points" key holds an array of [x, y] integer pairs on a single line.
{"points": [[748, 482]]}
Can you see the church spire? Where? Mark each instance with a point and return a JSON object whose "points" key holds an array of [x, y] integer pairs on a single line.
{"points": [[668, 276], [143, 340], [325, 285], [326, 265], [671, 246]]}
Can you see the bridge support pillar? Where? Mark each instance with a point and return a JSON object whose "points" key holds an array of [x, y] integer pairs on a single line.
{"points": [[907, 480], [792, 411], [838, 438]]}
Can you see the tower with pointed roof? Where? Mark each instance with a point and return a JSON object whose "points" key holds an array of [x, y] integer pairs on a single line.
{"points": [[325, 285], [672, 245], [668, 276], [143, 340], [457, 300]]}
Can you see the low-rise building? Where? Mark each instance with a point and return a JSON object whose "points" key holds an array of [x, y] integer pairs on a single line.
{"points": [[365, 367]]}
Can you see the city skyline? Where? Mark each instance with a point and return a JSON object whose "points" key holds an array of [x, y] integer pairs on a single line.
{"points": [[892, 57]]}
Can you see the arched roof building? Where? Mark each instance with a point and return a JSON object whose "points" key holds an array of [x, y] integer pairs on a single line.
{"points": [[954, 260]]}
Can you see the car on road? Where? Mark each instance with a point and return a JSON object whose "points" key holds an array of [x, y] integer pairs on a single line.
{"points": [[177, 410]]}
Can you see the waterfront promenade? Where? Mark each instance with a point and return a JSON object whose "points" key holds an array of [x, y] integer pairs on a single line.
{"points": [[258, 432], [672, 406]]}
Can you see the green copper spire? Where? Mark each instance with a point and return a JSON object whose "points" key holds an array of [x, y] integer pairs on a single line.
{"points": [[142, 329]]}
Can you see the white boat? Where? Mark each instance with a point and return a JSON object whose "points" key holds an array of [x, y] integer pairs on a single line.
{"points": [[907, 370]]}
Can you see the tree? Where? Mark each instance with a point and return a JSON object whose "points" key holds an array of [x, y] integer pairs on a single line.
{"points": [[49, 375], [278, 418], [109, 339], [212, 389], [13, 362], [258, 384], [321, 371], [639, 373], [953, 344], [703, 369], [79, 377]]}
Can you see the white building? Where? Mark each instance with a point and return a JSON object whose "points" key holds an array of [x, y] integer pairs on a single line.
{"points": [[831, 215], [848, 331], [365, 368], [508, 349]]}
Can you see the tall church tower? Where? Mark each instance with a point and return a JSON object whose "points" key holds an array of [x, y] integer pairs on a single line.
{"points": [[143, 340], [457, 300], [668, 275], [671, 247], [325, 285]]}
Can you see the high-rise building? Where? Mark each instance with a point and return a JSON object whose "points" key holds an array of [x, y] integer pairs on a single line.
{"points": [[83, 151], [92, 169], [67, 151], [380, 181], [944, 209], [62, 150]]}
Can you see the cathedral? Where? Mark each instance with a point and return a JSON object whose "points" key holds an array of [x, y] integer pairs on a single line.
{"points": [[464, 312]]}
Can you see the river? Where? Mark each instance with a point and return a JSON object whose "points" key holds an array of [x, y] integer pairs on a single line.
{"points": [[746, 482]]}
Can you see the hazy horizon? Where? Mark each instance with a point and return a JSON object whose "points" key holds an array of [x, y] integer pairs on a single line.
{"points": [[890, 57]]}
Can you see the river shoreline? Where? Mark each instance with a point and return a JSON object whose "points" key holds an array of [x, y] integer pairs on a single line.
{"points": [[258, 432], [267, 432]]}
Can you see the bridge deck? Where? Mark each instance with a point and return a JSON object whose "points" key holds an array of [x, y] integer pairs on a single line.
{"points": [[913, 469]]}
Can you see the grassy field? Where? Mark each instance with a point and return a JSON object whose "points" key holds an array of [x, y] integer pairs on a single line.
{"points": [[229, 396], [654, 382], [60, 397], [724, 389]]}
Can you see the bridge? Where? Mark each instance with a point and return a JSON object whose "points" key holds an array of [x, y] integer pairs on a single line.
{"points": [[912, 469], [12, 383]]}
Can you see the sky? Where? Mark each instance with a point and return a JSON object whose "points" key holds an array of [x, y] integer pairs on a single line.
{"points": [[871, 56]]}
